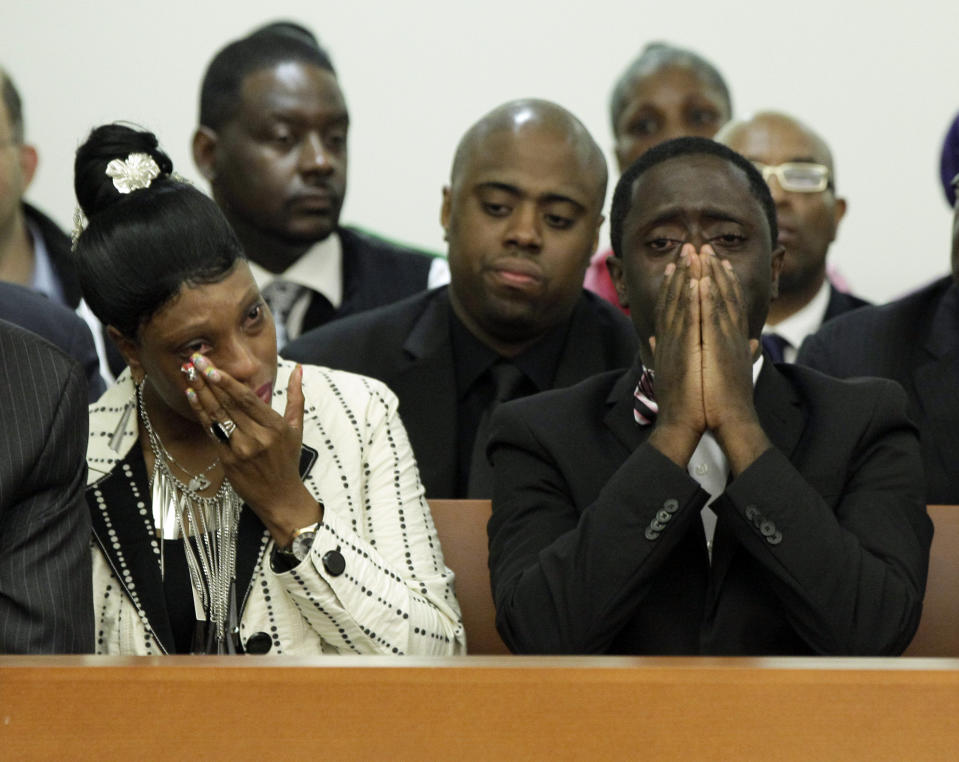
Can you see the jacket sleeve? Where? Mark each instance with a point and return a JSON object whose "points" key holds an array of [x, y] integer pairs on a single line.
{"points": [[46, 594], [849, 568], [375, 580], [565, 580]]}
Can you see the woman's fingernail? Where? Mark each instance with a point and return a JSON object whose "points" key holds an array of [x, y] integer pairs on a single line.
{"points": [[212, 373], [190, 395]]}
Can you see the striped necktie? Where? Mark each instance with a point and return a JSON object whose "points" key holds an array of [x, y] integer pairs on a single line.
{"points": [[644, 404], [281, 295]]}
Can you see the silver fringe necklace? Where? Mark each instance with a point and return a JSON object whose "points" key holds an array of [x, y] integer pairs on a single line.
{"points": [[212, 522]]}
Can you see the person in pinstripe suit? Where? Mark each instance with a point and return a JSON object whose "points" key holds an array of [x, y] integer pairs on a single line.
{"points": [[45, 587]]}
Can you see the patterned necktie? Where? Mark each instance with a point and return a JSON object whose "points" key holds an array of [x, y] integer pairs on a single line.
{"points": [[775, 345], [281, 295], [508, 381], [644, 404]]}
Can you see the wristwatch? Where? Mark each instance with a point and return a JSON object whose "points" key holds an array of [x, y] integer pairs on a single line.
{"points": [[300, 543]]}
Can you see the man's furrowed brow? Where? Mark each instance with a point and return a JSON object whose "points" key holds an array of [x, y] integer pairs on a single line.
{"points": [[720, 215]]}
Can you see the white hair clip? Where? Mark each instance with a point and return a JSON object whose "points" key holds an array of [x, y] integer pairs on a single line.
{"points": [[137, 171]]}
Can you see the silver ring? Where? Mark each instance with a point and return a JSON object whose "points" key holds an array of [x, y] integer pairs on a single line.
{"points": [[223, 430]]}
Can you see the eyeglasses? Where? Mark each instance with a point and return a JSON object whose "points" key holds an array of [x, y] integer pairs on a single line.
{"points": [[797, 176]]}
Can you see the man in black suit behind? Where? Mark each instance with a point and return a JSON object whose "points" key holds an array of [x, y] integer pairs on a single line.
{"points": [[45, 575], [272, 141], [522, 214], [708, 501], [915, 341], [799, 167]]}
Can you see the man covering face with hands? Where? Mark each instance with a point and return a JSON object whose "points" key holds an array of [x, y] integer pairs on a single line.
{"points": [[706, 501]]}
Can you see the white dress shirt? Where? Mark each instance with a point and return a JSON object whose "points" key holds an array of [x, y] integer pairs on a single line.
{"points": [[795, 328], [710, 467]]}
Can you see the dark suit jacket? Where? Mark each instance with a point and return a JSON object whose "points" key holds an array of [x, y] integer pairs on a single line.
{"points": [[821, 545], [840, 303], [58, 246], [915, 341], [375, 272], [58, 325], [45, 572], [407, 345]]}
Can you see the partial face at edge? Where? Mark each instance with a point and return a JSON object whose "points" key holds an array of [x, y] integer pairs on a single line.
{"points": [[696, 199], [17, 165]]}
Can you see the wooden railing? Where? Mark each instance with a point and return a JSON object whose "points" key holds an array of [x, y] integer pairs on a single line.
{"points": [[495, 708]]}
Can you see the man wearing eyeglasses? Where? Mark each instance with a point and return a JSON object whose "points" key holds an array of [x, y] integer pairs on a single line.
{"points": [[797, 164], [913, 341]]}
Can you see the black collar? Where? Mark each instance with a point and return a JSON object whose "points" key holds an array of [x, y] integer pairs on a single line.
{"points": [[472, 358]]}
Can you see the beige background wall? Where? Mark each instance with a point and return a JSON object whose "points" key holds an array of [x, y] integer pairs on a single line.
{"points": [[881, 83]]}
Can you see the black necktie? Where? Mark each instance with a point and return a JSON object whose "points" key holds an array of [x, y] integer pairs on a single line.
{"points": [[774, 344], [507, 384]]}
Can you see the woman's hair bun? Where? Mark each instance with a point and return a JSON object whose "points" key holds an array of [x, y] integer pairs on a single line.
{"points": [[94, 188]]}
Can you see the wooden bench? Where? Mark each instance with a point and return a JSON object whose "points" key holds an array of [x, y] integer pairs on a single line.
{"points": [[938, 633], [461, 525]]}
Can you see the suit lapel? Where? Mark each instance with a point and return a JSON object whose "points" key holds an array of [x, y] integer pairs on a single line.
{"points": [[427, 386], [125, 536], [936, 378], [779, 409], [619, 415]]}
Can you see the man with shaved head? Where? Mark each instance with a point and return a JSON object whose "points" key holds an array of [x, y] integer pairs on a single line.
{"points": [[797, 164], [522, 213]]}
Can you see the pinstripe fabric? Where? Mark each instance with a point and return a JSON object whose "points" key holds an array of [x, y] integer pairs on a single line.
{"points": [[395, 595], [45, 596], [914, 341]]}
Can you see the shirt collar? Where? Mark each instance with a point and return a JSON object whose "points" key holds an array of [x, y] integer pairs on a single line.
{"points": [[471, 357], [319, 269], [799, 325], [44, 277]]}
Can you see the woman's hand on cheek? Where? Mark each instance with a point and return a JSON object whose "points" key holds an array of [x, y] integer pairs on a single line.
{"points": [[261, 455]]}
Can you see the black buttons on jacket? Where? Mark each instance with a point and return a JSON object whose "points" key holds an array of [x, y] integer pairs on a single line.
{"points": [[766, 528], [334, 563], [661, 519], [259, 643]]}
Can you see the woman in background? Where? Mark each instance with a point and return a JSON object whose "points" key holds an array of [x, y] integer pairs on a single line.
{"points": [[238, 503], [666, 92]]}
